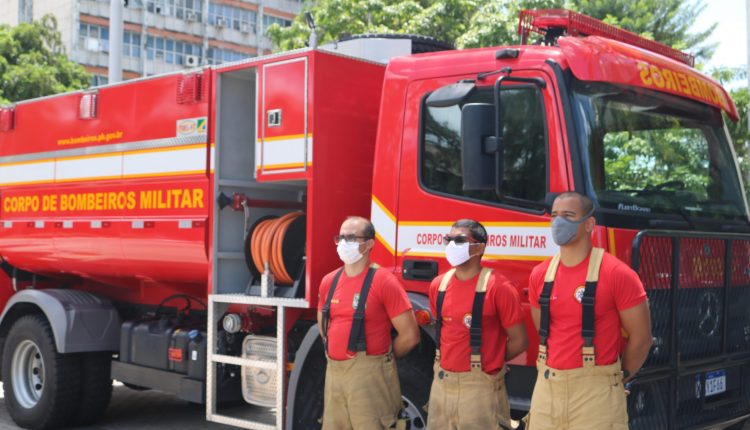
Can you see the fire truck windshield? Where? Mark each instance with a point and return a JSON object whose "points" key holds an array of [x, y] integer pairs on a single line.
{"points": [[649, 155]]}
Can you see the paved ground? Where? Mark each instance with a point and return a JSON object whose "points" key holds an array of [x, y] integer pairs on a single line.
{"points": [[144, 410], [141, 410]]}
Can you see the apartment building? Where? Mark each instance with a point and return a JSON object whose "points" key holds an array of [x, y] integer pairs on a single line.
{"points": [[159, 35]]}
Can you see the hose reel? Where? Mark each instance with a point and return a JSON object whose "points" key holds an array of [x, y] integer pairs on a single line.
{"points": [[277, 242]]}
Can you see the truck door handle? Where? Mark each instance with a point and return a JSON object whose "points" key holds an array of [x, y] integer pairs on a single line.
{"points": [[420, 270]]}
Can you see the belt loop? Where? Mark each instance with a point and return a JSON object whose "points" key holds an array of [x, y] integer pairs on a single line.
{"points": [[542, 356], [476, 361], [589, 356]]}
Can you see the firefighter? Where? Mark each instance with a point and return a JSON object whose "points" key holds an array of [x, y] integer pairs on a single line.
{"points": [[362, 389], [581, 302], [479, 326]]}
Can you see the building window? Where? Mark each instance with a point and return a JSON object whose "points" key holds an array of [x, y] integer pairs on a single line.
{"points": [[219, 55], [269, 20], [98, 80], [224, 16], [92, 37], [131, 44], [173, 51], [189, 10], [25, 11]]}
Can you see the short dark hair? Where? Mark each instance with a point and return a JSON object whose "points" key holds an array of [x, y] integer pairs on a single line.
{"points": [[478, 232], [369, 229], [587, 205]]}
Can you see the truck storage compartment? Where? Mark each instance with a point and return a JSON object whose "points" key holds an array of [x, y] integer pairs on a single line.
{"points": [[161, 344], [285, 132]]}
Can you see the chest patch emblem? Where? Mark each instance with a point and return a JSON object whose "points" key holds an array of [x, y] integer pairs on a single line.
{"points": [[467, 320], [335, 301], [578, 294]]}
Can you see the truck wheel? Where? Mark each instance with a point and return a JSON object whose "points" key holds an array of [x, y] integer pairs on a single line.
{"points": [[96, 387], [42, 386], [415, 375]]}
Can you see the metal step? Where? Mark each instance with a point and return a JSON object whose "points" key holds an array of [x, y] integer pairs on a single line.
{"points": [[262, 417], [242, 299]]}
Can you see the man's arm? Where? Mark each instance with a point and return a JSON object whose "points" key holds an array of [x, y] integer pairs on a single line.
{"points": [[536, 315], [320, 324], [407, 333], [637, 323], [517, 340]]}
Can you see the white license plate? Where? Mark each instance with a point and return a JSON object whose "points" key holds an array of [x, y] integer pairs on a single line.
{"points": [[716, 382]]}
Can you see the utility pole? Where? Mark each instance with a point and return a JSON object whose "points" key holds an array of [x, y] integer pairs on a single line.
{"points": [[115, 41]]}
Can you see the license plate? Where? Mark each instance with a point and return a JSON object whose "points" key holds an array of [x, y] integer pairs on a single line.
{"points": [[716, 382]]}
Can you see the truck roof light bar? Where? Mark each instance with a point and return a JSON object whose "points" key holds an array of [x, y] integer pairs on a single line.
{"points": [[553, 23], [190, 88], [87, 107], [7, 118]]}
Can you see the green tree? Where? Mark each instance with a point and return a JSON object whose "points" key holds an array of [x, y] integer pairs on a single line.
{"points": [[474, 23], [33, 62], [666, 21], [738, 131]]}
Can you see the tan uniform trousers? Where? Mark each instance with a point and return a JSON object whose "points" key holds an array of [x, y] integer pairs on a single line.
{"points": [[362, 393], [468, 401], [585, 398]]}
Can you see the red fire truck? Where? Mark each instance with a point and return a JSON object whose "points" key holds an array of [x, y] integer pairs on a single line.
{"points": [[171, 232]]}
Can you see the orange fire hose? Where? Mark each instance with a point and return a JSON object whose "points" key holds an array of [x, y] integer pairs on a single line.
{"points": [[266, 246]]}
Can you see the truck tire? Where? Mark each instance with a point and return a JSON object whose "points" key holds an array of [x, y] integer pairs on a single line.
{"points": [[415, 375], [96, 387], [419, 44], [42, 386]]}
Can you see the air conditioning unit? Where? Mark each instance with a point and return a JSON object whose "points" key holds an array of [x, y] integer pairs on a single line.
{"points": [[221, 22], [191, 61], [191, 16], [245, 27]]}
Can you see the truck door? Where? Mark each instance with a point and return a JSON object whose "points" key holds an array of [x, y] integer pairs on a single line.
{"points": [[431, 195]]}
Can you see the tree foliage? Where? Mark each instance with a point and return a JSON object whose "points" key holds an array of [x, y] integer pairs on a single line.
{"points": [[33, 62], [738, 131], [474, 23]]}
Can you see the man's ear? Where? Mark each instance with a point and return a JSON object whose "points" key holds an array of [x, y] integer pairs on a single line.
{"points": [[590, 224]]}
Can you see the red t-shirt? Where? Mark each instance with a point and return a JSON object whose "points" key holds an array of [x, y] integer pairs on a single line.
{"points": [[501, 309], [386, 300], [618, 289]]}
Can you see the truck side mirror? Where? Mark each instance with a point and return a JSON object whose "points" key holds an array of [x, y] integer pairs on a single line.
{"points": [[481, 151], [450, 95]]}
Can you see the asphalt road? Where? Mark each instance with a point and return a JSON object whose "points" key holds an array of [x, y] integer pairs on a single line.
{"points": [[144, 410], [141, 410]]}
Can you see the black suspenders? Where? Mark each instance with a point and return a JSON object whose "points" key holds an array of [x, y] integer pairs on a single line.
{"points": [[357, 341], [588, 302], [475, 330]]}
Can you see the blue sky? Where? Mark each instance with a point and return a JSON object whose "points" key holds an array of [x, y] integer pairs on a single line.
{"points": [[731, 34]]}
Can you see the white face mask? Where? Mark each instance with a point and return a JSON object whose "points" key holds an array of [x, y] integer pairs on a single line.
{"points": [[349, 251], [457, 254]]}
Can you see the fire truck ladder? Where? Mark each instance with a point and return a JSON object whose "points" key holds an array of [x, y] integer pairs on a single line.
{"points": [[248, 416]]}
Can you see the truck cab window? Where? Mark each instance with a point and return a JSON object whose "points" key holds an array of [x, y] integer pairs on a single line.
{"points": [[652, 155], [525, 143]]}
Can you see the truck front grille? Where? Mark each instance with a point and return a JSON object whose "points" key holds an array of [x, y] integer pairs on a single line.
{"points": [[698, 286]]}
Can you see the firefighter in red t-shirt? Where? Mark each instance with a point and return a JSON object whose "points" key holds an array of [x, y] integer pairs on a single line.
{"points": [[581, 300], [479, 326], [362, 389]]}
